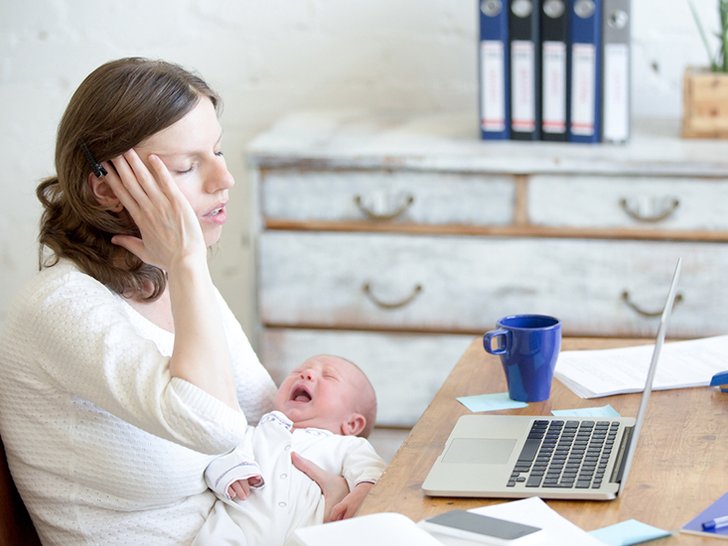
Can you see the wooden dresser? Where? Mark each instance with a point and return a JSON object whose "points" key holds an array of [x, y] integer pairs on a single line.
{"points": [[392, 239]]}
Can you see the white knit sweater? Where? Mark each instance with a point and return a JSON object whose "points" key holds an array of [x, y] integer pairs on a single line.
{"points": [[104, 445]]}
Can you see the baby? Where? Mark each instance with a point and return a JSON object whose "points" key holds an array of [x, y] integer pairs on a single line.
{"points": [[324, 409]]}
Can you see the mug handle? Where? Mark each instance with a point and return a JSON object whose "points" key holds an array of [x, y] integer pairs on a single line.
{"points": [[488, 338]]}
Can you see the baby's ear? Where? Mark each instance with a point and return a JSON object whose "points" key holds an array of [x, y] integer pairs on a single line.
{"points": [[353, 425]]}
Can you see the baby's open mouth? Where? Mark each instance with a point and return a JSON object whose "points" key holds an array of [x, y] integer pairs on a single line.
{"points": [[301, 394]]}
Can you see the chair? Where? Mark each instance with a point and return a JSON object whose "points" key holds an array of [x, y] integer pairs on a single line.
{"points": [[16, 527]]}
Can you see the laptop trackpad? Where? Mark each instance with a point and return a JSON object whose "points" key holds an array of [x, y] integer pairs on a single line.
{"points": [[479, 451]]}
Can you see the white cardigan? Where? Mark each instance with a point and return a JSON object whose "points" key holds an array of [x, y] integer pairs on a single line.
{"points": [[103, 444]]}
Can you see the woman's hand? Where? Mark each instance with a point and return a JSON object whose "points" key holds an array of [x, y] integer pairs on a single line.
{"points": [[169, 228], [172, 239], [350, 504], [333, 486]]}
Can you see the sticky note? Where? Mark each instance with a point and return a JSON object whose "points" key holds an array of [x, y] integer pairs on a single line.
{"points": [[628, 532], [600, 411], [490, 402]]}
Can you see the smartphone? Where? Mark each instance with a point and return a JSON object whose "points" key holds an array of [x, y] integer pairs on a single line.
{"points": [[480, 528]]}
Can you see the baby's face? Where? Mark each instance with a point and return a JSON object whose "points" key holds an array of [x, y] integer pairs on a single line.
{"points": [[322, 392]]}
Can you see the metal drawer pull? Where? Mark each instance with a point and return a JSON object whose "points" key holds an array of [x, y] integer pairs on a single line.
{"points": [[379, 207], [626, 299], [635, 209], [367, 289]]}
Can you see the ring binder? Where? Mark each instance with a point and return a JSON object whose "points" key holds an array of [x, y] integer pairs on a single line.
{"points": [[554, 70], [585, 18], [493, 70], [616, 65], [525, 77]]}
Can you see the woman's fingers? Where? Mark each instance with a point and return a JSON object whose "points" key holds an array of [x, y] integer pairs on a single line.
{"points": [[133, 244], [333, 486], [145, 180], [167, 223], [311, 469], [127, 185]]}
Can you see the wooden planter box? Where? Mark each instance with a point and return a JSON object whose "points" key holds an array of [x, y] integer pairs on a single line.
{"points": [[705, 104]]}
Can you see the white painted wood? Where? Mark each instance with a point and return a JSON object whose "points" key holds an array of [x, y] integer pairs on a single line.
{"points": [[310, 167], [594, 202], [467, 283], [450, 142], [406, 370], [424, 198]]}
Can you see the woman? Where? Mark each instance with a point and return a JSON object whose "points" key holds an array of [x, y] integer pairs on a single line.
{"points": [[122, 370]]}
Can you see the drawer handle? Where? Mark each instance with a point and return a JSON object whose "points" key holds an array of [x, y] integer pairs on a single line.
{"points": [[405, 202], [627, 299], [367, 289], [669, 205]]}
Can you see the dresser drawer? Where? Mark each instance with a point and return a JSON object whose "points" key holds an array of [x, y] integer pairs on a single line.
{"points": [[628, 202], [406, 370], [463, 284], [385, 196]]}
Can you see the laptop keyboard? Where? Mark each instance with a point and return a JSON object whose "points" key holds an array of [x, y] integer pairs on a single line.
{"points": [[571, 454]]}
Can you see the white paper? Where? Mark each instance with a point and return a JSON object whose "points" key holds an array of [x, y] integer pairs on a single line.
{"points": [[492, 86], [591, 374], [382, 528], [553, 90], [523, 99], [583, 85], [558, 531], [616, 92]]}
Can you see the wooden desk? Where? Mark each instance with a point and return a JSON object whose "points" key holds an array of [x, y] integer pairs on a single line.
{"points": [[680, 467]]}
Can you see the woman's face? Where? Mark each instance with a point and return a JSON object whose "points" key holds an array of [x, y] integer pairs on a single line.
{"points": [[190, 148]]}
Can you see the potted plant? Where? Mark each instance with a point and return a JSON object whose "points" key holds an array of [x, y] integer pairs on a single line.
{"points": [[705, 89]]}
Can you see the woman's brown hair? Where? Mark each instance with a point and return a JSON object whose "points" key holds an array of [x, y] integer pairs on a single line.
{"points": [[115, 108]]}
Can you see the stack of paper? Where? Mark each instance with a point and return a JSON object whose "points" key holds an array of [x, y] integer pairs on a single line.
{"points": [[391, 528], [383, 528], [591, 374]]}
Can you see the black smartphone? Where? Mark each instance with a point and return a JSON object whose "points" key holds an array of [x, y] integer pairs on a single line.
{"points": [[480, 528]]}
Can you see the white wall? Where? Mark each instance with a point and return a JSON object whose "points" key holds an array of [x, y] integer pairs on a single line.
{"points": [[267, 58]]}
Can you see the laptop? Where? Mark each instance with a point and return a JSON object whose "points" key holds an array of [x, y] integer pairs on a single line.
{"points": [[518, 456]]}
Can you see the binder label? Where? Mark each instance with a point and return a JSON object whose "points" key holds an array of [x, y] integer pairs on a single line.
{"points": [[616, 92], [492, 96], [523, 100], [583, 88], [554, 87]]}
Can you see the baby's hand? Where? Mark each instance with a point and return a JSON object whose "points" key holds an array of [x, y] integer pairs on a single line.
{"points": [[240, 489]]}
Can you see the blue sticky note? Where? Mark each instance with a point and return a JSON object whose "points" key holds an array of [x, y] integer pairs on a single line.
{"points": [[628, 532], [600, 411], [490, 402]]}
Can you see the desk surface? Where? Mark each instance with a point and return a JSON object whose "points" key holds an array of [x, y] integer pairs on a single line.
{"points": [[681, 464]]}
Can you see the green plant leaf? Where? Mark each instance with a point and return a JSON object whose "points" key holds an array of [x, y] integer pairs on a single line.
{"points": [[723, 12], [713, 64]]}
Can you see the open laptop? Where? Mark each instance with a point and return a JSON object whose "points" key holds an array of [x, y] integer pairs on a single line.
{"points": [[517, 456]]}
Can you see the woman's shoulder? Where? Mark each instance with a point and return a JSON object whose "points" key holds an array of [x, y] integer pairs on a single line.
{"points": [[60, 285]]}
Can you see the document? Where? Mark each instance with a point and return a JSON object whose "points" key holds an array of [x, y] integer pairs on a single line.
{"points": [[591, 374], [558, 531], [381, 528], [393, 528]]}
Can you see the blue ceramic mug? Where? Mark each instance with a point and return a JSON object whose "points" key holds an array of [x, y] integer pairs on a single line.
{"points": [[528, 346]]}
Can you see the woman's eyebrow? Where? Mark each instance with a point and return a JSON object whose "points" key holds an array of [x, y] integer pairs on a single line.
{"points": [[188, 152]]}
